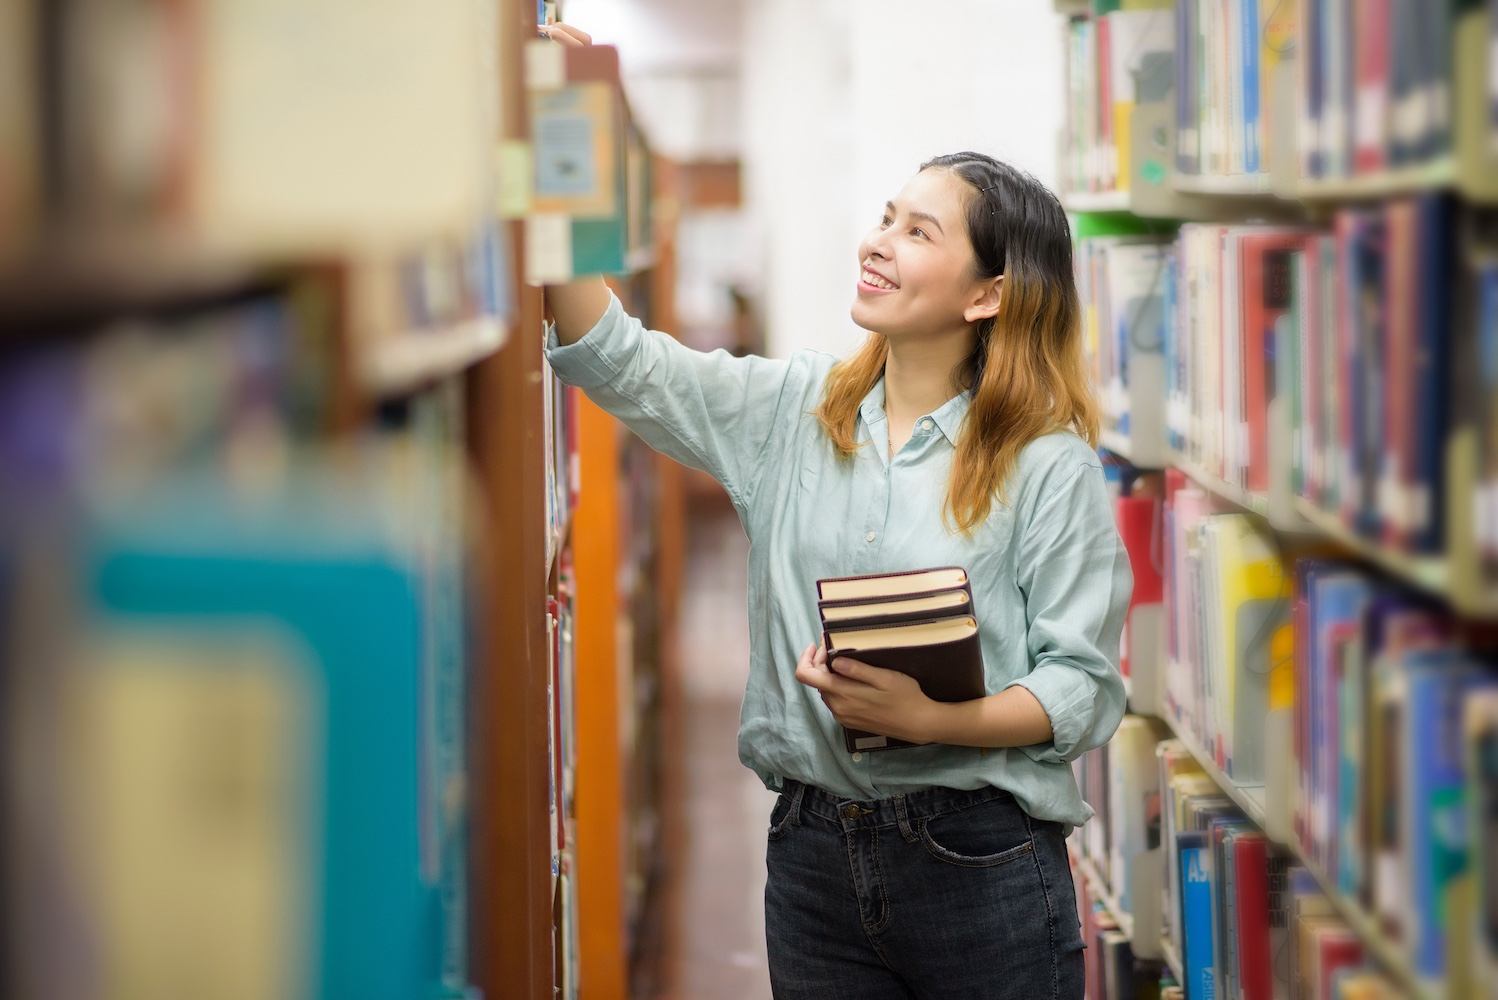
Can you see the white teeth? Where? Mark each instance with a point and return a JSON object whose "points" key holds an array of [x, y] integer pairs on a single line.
{"points": [[876, 281]]}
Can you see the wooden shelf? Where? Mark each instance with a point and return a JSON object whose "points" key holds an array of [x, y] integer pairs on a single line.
{"points": [[1256, 503], [1251, 801], [1096, 201], [1425, 572], [1403, 180], [1224, 185], [399, 364], [1177, 967], [82, 276], [1387, 953], [1249, 798]]}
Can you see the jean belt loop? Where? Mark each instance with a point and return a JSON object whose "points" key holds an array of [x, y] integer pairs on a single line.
{"points": [[794, 816], [902, 815]]}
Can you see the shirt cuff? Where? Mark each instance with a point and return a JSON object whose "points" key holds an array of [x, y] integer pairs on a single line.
{"points": [[602, 352], [1066, 694]]}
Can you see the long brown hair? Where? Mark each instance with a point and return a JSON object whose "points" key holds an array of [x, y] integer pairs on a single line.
{"points": [[1027, 375]]}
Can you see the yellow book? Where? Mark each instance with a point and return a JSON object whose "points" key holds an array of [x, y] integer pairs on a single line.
{"points": [[1277, 46], [1253, 591]]}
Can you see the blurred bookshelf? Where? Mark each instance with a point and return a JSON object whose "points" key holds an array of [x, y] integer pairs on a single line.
{"points": [[1310, 264], [274, 405]]}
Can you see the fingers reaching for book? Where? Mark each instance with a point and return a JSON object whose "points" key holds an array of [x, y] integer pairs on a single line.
{"points": [[566, 34]]}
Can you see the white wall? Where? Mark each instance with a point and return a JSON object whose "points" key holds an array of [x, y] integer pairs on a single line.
{"points": [[844, 100], [680, 63], [833, 104]]}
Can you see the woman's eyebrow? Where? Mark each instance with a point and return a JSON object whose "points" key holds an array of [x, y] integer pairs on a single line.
{"points": [[922, 216]]}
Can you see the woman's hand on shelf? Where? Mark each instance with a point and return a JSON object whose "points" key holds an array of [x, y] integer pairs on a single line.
{"points": [[565, 34], [578, 305]]}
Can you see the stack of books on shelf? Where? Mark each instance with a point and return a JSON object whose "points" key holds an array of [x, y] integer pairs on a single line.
{"points": [[1227, 595], [561, 458], [1225, 55], [1382, 361], [1121, 281], [1113, 63], [561, 696], [1377, 85]]}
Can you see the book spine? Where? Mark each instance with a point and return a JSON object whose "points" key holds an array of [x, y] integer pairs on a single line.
{"points": [[1251, 40]]}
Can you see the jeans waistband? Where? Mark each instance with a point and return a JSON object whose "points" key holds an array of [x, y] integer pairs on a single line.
{"points": [[809, 801]]}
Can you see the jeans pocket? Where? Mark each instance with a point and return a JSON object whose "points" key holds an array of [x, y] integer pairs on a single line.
{"points": [[980, 836], [782, 817]]}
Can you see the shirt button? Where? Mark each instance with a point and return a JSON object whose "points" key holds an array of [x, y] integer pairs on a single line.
{"points": [[925, 425], [856, 758], [869, 537]]}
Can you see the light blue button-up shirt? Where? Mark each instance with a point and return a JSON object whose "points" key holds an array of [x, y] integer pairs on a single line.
{"points": [[1050, 578]]}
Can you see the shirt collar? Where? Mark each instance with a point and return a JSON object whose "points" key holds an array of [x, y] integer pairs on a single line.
{"points": [[947, 417]]}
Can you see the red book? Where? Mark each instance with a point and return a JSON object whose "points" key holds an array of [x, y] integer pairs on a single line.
{"points": [[554, 655], [1396, 478], [572, 403], [1140, 528], [1370, 129], [1335, 949], [1265, 260], [1251, 898]]}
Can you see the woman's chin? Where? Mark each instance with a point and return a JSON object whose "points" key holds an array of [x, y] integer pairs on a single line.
{"points": [[863, 316]]}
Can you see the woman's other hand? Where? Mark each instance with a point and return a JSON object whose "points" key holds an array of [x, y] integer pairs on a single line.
{"points": [[860, 696]]}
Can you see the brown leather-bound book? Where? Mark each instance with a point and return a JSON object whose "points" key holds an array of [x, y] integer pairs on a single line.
{"points": [[942, 654]]}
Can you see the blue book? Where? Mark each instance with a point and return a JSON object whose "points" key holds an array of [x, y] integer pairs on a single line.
{"points": [[1249, 37], [1338, 593], [331, 582], [1439, 682], [1313, 98], [1195, 857]]}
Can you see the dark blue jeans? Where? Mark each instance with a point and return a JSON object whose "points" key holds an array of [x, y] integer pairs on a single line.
{"points": [[936, 895]]}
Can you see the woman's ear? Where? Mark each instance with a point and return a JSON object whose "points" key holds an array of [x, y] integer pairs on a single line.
{"points": [[986, 305]]}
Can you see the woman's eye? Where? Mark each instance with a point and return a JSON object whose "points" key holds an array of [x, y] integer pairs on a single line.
{"points": [[884, 222], [919, 232]]}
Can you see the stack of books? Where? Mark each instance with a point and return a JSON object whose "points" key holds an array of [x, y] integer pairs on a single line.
{"points": [[919, 622]]}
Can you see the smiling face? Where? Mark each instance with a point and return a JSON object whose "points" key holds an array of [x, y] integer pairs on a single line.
{"points": [[916, 269]]}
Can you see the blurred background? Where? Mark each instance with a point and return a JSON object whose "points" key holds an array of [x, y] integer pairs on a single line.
{"points": [[344, 652]]}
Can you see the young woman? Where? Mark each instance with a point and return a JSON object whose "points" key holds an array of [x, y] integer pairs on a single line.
{"points": [[960, 433]]}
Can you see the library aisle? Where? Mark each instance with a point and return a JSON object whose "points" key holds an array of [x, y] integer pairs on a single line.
{"points": [[715, 948]]}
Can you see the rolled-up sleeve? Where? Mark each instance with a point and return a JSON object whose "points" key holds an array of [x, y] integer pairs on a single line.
{"points": [[714, 412], [1075, 575]]}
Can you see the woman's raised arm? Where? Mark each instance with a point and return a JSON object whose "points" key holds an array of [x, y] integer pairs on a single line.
{"points": [[577, 307]]}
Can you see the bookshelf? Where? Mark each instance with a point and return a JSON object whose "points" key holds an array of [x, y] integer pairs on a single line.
{"points": [[1251, 801], [1097, 201], [590, 519], [1102, 893], [1401, 518], [1224, 185], [401, 364], [1249, 798], [285, 313]]}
